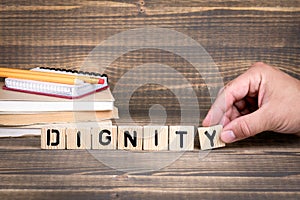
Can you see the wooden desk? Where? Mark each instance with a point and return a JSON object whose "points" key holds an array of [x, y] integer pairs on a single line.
{"points": [[263, 167], [234, 33]]}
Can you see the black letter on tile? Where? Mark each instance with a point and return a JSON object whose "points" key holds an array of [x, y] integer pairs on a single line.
{"points": [[48, 137], [108, 138], [211, 137], [78, 139], [133, 140], [156, 138], [181, 137]]}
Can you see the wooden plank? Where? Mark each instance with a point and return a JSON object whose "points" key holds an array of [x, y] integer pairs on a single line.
{"points": [[53, 138], [104, 137], [235, 34], [78, 138], [210, 137], [130, 137], [270, 170], [181, 138], [55, 34], [154, 193], [156, 138]]}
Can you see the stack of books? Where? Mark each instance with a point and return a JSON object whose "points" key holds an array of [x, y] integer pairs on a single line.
{"points": [[28, 105]]}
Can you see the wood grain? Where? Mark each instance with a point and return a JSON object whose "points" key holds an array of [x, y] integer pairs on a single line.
{"points": [[266, 166], [210, 137], [234, 33], [156, 138]]}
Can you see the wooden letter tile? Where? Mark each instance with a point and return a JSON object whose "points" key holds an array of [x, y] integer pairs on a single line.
{"points": [[155, 138], [53, 138], [130, 137], [78, 138], [210, 137], [181, 138], [104, 137]]}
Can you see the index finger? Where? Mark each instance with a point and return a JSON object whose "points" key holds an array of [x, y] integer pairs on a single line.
{"points": [[247, 84]]}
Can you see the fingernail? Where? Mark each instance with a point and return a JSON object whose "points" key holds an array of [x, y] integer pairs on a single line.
{"points": [[228, 136]]}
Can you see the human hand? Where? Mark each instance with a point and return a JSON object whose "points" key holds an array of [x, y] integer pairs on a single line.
{"points": [[263, 98]]}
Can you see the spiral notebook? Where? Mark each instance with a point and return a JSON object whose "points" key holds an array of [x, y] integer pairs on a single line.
{"points": [[11, 101], [56, 89]]}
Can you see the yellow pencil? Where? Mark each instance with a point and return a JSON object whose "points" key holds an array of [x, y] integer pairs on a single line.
{"points": [[48, 76]]}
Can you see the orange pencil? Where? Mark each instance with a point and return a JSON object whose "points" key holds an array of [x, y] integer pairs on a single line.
{"points": [[48, 76]]}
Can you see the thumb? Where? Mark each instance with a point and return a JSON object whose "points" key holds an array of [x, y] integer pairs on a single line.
{"points": [[245, 126]]}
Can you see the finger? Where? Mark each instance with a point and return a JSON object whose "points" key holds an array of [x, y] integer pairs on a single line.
{"points": [[245, 126], [245, 111], [220, 91], [234, 91], [229, 116], [240, 105], [216, 112], [235, 114]]}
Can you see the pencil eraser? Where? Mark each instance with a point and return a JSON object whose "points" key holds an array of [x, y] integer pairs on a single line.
{"points": [[101, 81]]}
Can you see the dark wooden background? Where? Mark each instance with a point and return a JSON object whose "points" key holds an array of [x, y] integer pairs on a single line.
{"points": [[234, 33]]}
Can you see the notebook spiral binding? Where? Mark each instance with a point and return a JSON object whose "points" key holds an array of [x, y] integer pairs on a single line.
{"points": [[68, 71]]}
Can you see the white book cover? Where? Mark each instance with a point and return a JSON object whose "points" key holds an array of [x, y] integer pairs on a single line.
{"points": [[11, 101]]}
